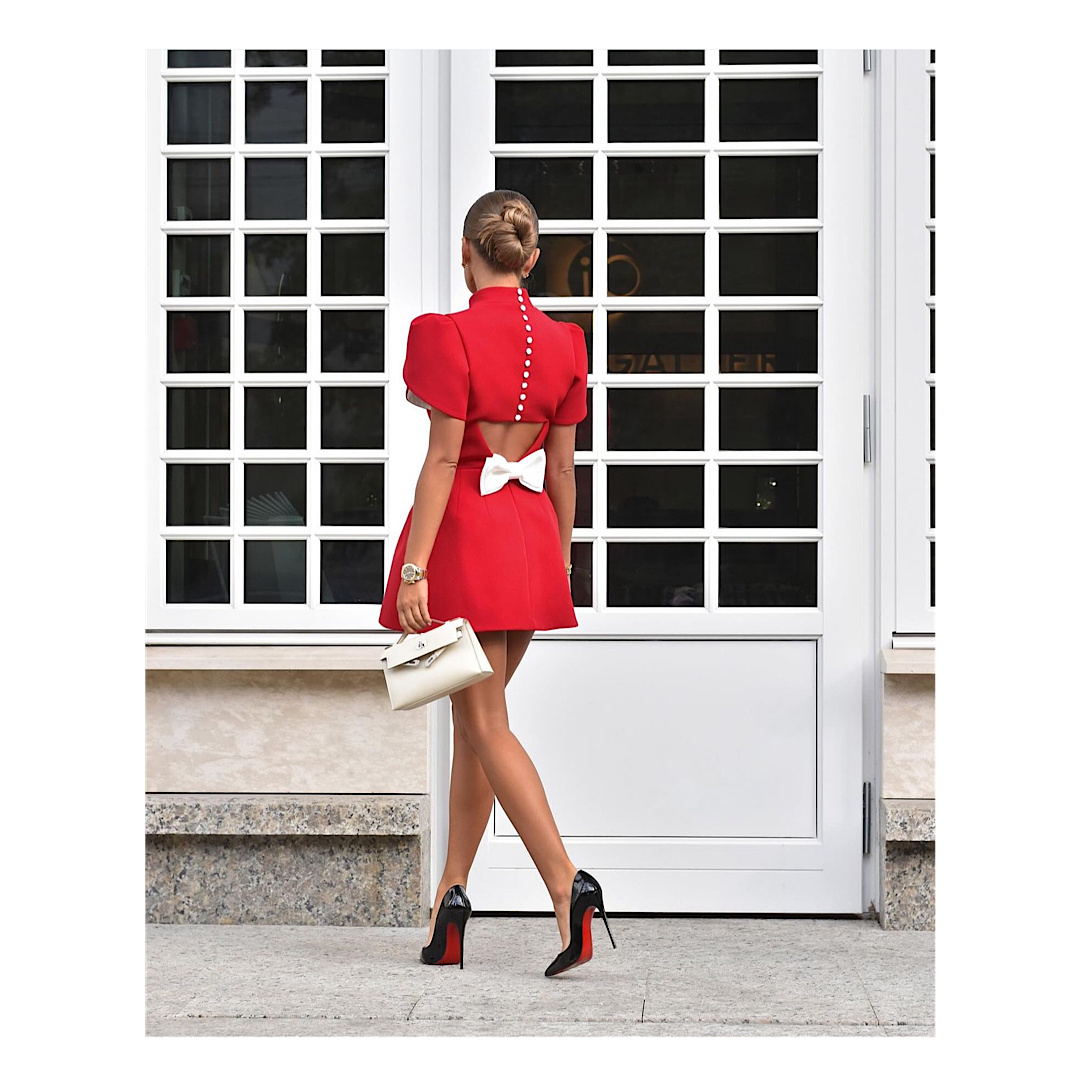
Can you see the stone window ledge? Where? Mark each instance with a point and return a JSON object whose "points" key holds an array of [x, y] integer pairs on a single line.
{"points": [[287, 815], [264, 657], [907, 661]]}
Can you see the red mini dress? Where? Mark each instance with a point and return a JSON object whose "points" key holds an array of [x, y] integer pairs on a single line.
{"points": [[497, 558]]}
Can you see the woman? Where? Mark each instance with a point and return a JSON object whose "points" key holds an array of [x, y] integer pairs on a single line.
{"points": [[490, 527]]}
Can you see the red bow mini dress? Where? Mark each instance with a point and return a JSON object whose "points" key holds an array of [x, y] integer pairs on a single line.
{"points": [[497, 558]]}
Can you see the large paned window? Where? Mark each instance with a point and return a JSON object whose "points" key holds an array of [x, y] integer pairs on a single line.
{"points": [[679, 195], [271, 181]]}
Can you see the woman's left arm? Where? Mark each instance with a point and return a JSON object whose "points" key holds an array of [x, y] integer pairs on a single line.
{"points": [[433, 487]]}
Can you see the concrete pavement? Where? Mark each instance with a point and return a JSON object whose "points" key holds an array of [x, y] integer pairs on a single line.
{"points": [[723, 976]]}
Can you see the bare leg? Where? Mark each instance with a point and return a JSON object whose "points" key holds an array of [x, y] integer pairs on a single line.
{"points": [[481, 719], [471, 796]]}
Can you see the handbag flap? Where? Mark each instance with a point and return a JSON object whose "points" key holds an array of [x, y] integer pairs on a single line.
{"points": [[419, 646]]}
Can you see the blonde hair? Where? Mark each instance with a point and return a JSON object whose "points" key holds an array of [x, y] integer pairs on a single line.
{"points": [[504, 228]]}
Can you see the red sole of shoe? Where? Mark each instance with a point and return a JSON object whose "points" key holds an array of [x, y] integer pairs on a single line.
{"points": [[452, 953], [586, 939]]}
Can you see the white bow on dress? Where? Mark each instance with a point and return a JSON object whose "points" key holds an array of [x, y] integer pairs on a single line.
{"points": [[529, 471]]}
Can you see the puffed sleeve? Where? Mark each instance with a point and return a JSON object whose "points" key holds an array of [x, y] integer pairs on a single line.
{"points": [[436, 370], [573, 408]]}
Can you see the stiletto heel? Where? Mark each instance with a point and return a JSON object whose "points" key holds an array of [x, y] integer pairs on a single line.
{"points": [[586, 896], [448, 939]]}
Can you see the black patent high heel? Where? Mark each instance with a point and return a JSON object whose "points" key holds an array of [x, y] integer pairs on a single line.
{"points": [[586, 896], [448, 939]]}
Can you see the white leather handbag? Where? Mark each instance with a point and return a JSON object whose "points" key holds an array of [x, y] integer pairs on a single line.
{"points": [[420, 668]]}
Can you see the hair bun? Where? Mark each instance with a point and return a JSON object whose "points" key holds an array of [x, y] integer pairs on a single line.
{"points": [[505, 228]]}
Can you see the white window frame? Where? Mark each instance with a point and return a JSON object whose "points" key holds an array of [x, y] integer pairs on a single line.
{"points": [[472, 172], [407, 206], [908, 301]]}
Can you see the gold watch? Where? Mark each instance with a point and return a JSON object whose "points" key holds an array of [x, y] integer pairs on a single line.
{"points": [[410, 572]]}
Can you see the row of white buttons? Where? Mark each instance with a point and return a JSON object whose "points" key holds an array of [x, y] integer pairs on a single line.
{"points": [[528, 351]]}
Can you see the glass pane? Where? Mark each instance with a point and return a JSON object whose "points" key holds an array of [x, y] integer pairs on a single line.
{"points": [[933, 335], [933, 498], [768, 496], [932, 51], [198, 113], [763, 418], [352, 417], [933, 416], [768, 56], [933, 182], [768, 187], [353, 58], [275, 189], [768, 264], [551, 111], [559, 188], [353, 187], [564, 267], [582, 318], [275, 58], [933, 104], [933, 261], [274, 418], [196, 571], [656, 264], [198, 189], [581, 576], [933, 573], [656, 110], [276, 112], [768, 575], [351, 571], [196, 494], [656, 574], [656, 496], [199, 58], [583, 437], [275, 264], [649, 342], [197, 417], [354, 111], [668, 187], [641, 57], [197, 341], [275, 494], [756, 109], [583, 515], [352, 494], [768, 342], [666, 418], [353, 340], [275, 572], [543, 57], [275, 341], [198, 265], [352, 264]]}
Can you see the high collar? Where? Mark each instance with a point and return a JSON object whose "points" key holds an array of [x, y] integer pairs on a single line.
{"points": [[498, 294]]}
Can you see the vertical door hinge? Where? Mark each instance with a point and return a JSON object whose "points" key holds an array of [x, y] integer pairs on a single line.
{"points": [[866, 817], [867, 60], [867, 431]]}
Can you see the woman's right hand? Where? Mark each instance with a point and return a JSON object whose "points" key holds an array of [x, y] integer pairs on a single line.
{"points": [[412, 606]]}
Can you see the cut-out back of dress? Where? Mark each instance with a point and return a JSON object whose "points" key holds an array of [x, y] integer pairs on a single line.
{"points": [[508, 438]]}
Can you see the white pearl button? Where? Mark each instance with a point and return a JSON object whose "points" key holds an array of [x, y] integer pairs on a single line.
{"points": [[517, 417], [522, 396], [528, 327], [522, 307], [528, 339], [520, 407], [528, 362], [524, 374], [529, 352], [524, 386]]}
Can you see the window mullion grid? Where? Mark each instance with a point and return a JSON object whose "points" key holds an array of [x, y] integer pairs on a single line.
{"points": [[600, 344]]}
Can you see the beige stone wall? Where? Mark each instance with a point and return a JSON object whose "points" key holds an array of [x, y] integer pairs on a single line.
{"points": [[907, 756], [281, 731]]}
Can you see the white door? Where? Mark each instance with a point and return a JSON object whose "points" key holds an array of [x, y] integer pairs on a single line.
{"points": [[699, 734]]}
